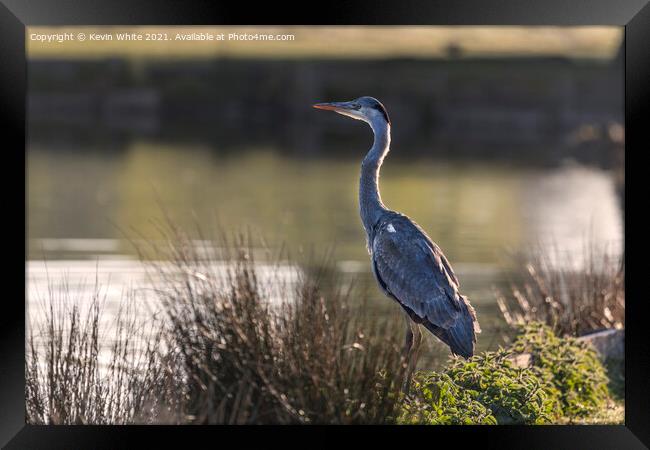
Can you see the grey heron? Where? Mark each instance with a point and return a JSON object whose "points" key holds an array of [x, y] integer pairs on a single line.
{"points": [[408, 266]]}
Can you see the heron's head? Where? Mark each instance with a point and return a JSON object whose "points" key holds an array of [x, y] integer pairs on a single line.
{"points": [[368, 109]]}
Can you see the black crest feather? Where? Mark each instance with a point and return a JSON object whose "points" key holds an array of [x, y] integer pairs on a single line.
{"points": [[371, 102], [379, 107]]}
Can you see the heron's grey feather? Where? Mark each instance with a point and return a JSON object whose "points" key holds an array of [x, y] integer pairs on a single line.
{"points": [[414, 271]]}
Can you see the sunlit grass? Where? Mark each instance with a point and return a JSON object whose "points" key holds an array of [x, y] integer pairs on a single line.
{"points": [[80, 370], [573, 297], [226, 347]]}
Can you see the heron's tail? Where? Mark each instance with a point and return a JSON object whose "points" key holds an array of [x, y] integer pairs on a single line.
{"points": [[461, 336]]}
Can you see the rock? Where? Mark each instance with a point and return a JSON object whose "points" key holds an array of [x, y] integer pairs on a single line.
{"points": [[521, 360], [610, 344]]}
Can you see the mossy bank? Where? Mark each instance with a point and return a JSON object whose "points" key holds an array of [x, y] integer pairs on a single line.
{"points": [[564, 382]]}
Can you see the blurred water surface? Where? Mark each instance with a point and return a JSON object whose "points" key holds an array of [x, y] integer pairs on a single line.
{"points": [[81, 204]]}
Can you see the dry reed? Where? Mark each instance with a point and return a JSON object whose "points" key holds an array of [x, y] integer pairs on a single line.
{"points": [[572, 298]]}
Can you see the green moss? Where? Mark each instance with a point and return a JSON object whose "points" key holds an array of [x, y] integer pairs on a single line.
{"points": [[572, 365], [565, 380], [513, 394], [440, 401]]}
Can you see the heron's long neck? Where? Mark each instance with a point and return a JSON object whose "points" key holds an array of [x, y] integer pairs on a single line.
{"points": [[370, 204]]}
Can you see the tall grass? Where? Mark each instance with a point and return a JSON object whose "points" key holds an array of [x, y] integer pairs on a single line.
{"points": [[76, 372], [236, 343], [572, 298], [258, 348]]}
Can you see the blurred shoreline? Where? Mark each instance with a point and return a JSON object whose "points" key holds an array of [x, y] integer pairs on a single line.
{"points": [[539, 109]]}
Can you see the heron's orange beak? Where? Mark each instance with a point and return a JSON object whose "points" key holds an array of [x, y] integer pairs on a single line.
{"points": [[324, 106], [335, 106]]}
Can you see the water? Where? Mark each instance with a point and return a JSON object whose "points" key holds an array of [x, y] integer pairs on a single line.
{"points": [[83, 205]]}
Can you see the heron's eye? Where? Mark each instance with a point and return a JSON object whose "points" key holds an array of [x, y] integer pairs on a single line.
{"points": [[357, 107]]}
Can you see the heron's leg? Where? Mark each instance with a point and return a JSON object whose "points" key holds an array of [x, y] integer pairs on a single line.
{"points": [[406, 352], [409, 353], [414, 352], [408, 344], [417, 343]]}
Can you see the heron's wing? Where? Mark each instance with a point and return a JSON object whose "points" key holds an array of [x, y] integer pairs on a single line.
{"points": [[413, 270]]}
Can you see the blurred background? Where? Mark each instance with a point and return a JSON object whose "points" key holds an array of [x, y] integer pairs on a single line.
{"points": [[503, 138]]}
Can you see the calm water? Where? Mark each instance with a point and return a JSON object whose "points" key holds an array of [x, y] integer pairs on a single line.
{"points": [[81, 204]]}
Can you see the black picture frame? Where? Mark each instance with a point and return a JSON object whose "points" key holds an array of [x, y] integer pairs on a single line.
{"points": [[15, 15]]}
